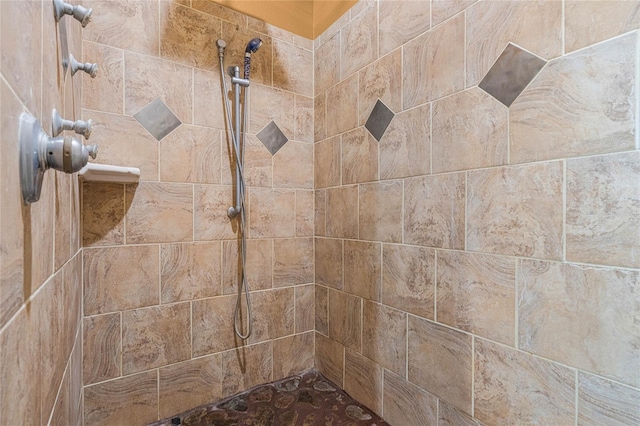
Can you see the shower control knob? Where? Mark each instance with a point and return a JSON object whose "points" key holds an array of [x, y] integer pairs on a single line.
{"points": [[92, 150], [82, 14], [88, 67], [58, 124]]}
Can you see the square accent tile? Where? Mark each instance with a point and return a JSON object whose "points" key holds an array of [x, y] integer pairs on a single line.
{"points": [[511, 73], [158, 119], [272, 137], [379, 120]]}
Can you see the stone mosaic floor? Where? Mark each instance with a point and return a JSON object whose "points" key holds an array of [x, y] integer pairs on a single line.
{"points": [[307, 399]]}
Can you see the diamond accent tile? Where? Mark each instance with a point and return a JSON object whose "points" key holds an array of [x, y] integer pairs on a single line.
{"points": [[379, 120], [511, 73], [272, 137], [158, 119]]}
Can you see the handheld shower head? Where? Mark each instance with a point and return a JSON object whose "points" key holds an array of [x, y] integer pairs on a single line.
{"points": [[221, 46], [252, 47]]}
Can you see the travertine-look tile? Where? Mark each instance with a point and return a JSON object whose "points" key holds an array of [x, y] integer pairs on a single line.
{"points": [[245, 367], [293, 166], [208, 102], [588, 22], [272, 104], [123, 141], [329, 358], [320, 213], [272, 213], [405, 148], [61, 409], [268, 29], [103, 214], [220, 11], [292, 68], [326, 67], [516, 210], [147, 79], [328, 262], [430, 72], [359, 157], [408, 278], [476, 293], [363, 380], [322, 309], [258, 162], [434, 211], [102, 348], [319, 117], [384, 336], [105, 92], [159, 212], [327, 160], [513, 387], [603, 402], [381, 80], [258, 269], [579, 316], [189, 384], [603, 206], [62, 223], [400, 22], [304, 119], [191, 154], [444, 9], [119, 278], [293, 262], [583, 100], [469, 131], [273, 314], [357, 45], [128, 400], [406, 403], [237, 37], [190, 271], [212, 323], [210, 216], [440, 361], [535, 26], [449, 416], [188, 36], [380, 207], [342, 208], [362, 269], [292, 355], [342, 106], [156, 336], [305, 308], [304, 213], [345, 325]]}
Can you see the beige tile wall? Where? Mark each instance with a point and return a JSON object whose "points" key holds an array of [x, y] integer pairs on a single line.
{"points": [[478, 265], [40, 255]]}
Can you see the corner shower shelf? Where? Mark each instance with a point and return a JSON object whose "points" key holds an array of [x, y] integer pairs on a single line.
{"points": [[109, 174]]}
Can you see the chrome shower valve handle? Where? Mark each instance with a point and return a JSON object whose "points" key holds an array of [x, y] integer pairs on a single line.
{"points": [[88, 67], [58, 124], [82, 14]]}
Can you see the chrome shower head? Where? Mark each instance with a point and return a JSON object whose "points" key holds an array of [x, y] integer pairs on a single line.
{"points": [[253, 46], [221, 46]]}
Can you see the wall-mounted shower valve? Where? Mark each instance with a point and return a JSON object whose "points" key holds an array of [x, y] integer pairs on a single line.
{"points": [[58, 124], [82, 14], [88, 67]]}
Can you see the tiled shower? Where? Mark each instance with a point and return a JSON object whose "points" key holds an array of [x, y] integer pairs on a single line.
{"points": [[450, 237]]}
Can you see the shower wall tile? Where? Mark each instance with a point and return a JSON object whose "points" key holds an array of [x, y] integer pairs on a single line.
{"points": [[292, 166], [327, 161], [191, 154], [603, 206], [123, 141], [258, 162], [329, 359], [189, 384], [449, 416], [258, 268], [405, 148], [212, 325], [362, 263], [406, 403], [190, 271], [400, 22], [292, 262], [272, 213], [62, 224], [342, 212], [380, 207], [442, 10], [304, 119], [342, 106], [434, 211], [363, 380], [245, 367], [328, 260], [147, 78], [440, 361], [345, 319], [103, 214], [408, 278], [132, 399], [184, 42], [534, 26], [326, 68], [304, 213], [569, 313], [532, 194], [292, 68], [271, 104], [477, 294], [587, 23], [319, 117], [131, 25], [208, 106], [102, 348], [539, 391], [159, 212], [429, 72], [357, 46], [210, 215], [381, 80], [603, 402], [295, 354], [384, 336], [236, 37], [305, 308], [105, 92], [359, 157], [268, 29], [120, 278], [469, 131], [583, 99], [320, 213], [220, 11]]}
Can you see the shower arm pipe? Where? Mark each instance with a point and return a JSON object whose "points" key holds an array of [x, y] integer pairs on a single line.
{"points": [[237, 83]]}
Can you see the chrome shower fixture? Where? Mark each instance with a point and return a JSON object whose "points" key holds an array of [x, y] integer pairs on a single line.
{"points": [[88, 67], [221, 46], [252, 47], [82, 14], [58, 124]]}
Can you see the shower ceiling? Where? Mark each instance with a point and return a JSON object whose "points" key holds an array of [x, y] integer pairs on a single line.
{"points": [[308, 18]]}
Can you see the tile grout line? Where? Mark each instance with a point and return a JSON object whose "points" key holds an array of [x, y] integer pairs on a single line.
{"points": [[564, 211], [435, 285], [517, 309], [473, 375], [577, 398]]}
